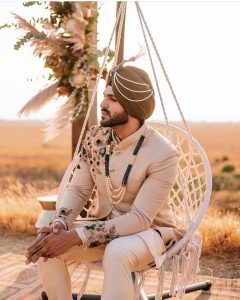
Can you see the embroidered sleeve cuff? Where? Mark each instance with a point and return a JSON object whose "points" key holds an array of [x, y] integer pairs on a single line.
{"points": [[96, 234], [82, 235], [58, 219]]}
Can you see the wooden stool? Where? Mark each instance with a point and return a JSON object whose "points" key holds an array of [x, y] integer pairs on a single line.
{"points": [[48, 204]]}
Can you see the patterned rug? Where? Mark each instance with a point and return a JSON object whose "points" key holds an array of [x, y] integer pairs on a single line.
{"points": [[21, 282]]}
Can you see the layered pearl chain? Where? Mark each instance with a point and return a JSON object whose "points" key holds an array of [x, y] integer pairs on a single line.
{"points": [[117, 83], [116, 194]]}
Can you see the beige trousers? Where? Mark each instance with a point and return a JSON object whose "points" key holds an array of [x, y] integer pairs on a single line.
{"points": [[120, 257]]}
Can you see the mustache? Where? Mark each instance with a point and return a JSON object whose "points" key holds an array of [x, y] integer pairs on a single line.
{"points": [[106, 111]]}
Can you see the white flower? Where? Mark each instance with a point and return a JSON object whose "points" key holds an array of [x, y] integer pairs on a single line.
{"points": [[77, 80]]}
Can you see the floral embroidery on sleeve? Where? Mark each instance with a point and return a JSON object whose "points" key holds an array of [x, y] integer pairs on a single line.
{"points": [[98, 233]]}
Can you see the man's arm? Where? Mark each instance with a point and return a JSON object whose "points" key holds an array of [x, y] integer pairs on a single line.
{"points": [[77, 193], [147, 204]]}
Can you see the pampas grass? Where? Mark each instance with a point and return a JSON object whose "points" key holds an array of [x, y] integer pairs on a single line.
{"points": [[39, 100], [65, 42], [25, 25], [54, 126], [49, 46]]}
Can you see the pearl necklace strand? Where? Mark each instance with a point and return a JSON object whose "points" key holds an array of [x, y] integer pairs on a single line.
{"points": [[116, 194]]}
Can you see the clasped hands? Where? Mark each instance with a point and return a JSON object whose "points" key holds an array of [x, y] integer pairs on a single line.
{"points": [[51, 241]]}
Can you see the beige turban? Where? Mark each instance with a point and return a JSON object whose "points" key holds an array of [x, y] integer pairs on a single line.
{"points": [[134, 91]]}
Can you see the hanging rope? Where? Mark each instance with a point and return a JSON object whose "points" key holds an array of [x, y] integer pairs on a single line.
{"points": [[163, 68], [123, 6], [119, 33], [75, 159], [183, 187], [154, 72]]}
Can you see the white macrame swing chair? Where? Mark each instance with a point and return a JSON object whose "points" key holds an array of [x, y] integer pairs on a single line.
{"points": [[189, 197]]}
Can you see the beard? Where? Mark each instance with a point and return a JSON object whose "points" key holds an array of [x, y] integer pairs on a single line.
{"points": [[119, 119]]}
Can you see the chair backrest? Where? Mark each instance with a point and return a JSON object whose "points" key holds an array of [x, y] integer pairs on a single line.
{"points": [[190, 195]]}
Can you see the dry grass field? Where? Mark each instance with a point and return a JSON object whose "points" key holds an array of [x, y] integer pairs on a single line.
{"points": [[30, 168]]}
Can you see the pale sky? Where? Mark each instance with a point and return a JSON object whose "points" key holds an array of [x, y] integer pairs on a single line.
{"points": [[199, 42]]}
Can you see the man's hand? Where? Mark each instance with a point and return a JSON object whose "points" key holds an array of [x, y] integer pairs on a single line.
{"points": [[38, 242], [53, 245]]}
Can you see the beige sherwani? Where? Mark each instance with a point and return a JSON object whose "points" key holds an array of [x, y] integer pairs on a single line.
{"points": [[145, 204], [130, 229]]}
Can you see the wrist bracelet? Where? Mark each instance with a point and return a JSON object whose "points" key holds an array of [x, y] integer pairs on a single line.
{"points": [[62, 221]]}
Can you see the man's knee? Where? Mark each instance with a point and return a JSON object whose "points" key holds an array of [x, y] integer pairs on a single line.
{"points": [[116, 254], [52, 265]]}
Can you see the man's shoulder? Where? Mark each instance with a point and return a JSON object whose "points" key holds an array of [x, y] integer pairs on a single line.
{"points": [[160, 143]]}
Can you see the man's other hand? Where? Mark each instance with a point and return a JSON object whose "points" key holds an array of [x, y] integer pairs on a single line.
{"points": [[55, 228], [52, 244]]}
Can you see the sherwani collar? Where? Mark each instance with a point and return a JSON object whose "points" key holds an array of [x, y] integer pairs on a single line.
{"points": [[131, 139]]}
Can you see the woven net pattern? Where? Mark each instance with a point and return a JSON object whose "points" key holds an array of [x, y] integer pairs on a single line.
{"points": [[188, 192]]}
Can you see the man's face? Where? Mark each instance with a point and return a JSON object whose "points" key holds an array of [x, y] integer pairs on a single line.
{"points": [[112, 113]]}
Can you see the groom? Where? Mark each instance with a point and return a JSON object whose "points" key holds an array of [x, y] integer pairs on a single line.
{"points": [[134, 169]]}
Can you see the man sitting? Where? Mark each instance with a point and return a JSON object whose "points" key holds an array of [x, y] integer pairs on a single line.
{"points": [[134, 168]]}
